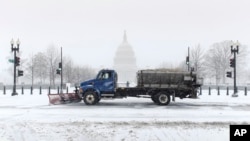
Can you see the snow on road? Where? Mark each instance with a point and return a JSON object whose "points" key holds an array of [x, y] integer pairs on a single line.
{"points": [[31, 118]]}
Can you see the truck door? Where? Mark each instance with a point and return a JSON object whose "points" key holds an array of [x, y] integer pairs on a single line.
{"points": [[105, 82]]}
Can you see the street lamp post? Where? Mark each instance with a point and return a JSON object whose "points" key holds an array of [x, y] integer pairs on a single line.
{"points": [[187, 60], [234, 50], [14, 49], [61, 72]]}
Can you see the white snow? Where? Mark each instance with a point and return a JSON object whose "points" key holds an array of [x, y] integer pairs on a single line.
{"points": [[31, 118]]}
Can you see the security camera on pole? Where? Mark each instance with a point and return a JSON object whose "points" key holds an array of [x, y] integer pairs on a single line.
{"points": [[234, 50]]}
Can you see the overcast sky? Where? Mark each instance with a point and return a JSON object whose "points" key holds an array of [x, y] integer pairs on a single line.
{"points": [[91, 30]]}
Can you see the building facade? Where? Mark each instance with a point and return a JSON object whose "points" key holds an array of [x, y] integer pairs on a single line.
{"points": [[125, 62]]}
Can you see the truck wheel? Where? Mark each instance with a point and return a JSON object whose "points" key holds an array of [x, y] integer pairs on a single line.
{"points": [[163, 99], [90, 98]]}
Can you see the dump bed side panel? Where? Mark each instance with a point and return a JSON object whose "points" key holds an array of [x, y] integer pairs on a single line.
{"points": [[182, 84], [164, 78]]}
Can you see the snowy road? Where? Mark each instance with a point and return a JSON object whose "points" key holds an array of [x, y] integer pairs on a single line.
{"points": [[31, 118]]}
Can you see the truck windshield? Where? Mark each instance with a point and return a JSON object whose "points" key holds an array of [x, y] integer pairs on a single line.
{"points": [[104, 75]]}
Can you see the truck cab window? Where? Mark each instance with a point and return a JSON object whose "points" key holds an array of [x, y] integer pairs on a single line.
{"points": [[105, 75]]}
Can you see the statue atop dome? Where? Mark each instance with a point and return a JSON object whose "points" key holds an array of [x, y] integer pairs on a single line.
{"points": [[125, 62], [125, 37]]}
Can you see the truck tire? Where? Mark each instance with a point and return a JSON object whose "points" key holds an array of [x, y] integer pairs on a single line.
{"points": [[162, 98], [90, 98]]}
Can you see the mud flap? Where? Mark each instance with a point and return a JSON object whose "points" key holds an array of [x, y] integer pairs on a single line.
{"points": [[173, 97]]}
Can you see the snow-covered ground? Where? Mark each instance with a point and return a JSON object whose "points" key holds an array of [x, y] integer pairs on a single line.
{"points": [[31, 118]]}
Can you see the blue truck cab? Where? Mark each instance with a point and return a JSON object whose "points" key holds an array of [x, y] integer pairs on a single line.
{"points": [[104, 85]]}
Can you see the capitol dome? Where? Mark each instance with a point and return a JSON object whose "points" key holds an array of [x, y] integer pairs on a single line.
{"points": [[125, 62]]}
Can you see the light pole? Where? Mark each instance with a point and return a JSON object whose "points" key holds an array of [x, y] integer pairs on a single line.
{"points": [[234, 50], [187, 60], [15, 49], [61, 72]]}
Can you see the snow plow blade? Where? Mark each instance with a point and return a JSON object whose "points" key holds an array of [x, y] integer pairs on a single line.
{"points": [[64, 98]]}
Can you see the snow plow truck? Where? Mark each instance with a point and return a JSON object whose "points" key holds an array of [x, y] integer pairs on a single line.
{"points": [[160, 85]]}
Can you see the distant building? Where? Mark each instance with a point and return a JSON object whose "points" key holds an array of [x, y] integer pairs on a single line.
{"points": [[125, 62]]}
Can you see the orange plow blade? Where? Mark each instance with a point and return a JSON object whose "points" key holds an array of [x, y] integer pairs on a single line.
{"points": [[64, 98]]}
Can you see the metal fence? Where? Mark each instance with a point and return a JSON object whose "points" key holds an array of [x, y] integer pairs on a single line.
{"points": [[31, 89], [224, 88], [21, 88]]}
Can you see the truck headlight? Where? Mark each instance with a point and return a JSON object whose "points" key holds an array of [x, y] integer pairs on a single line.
{"points": [[80, 90]]}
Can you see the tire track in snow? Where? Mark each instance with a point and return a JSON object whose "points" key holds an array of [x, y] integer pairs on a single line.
{"points": [[17, 132]]}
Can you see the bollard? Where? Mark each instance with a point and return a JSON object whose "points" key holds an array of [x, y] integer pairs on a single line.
{"points": [[227, 91], [67, 89], [58, 89], [4, 90], [31, 90], [218, 90], [49, 89], [200, 90], [40, 92], [245, 91], [22, 90], [127, 84], [209, 91]]}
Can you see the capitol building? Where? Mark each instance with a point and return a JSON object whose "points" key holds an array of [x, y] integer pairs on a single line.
{"points": [[125, 62]]}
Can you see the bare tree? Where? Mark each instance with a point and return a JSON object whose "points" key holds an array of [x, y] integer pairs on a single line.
{"points": [[52, 62], [241, 58], [183, 66], [197, 59], [217, 60], [77, 75], [30, 66], [83, 73], [40, 67], [68, 69]]}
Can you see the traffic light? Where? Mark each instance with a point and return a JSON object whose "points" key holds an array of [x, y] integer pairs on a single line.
{"points": [[232, 63], [58, 71], [187, 60], [17, 61], [229, 74], [60, 65], [20, 73]]}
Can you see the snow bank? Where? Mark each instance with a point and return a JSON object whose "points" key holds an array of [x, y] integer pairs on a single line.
{"points": [[31, 118]]}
